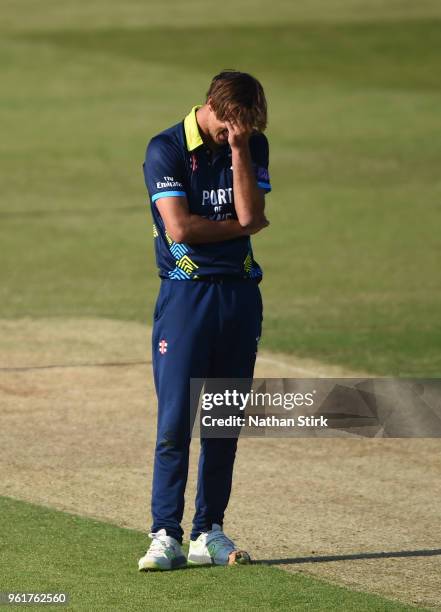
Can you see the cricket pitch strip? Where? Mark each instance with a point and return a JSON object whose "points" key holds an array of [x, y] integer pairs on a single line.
{"points": [[78, 428]]}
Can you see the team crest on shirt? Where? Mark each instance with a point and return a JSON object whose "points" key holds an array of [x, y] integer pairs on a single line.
{"points": [[163, 344], [194, 162]]}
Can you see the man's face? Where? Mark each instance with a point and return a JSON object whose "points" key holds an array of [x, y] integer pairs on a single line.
{"points": [[217, 129]]}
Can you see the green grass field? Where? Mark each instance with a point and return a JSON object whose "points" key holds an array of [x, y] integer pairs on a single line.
{"points": [[95, 564], [351, 259]]}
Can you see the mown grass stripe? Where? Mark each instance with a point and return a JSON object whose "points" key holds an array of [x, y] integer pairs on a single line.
{"points": [[96, 564]]}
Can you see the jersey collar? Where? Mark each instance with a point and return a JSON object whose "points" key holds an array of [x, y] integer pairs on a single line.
{"points": [[192, 135]]}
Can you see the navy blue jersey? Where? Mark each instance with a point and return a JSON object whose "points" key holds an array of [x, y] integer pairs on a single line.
{"points": [[177, 163]]}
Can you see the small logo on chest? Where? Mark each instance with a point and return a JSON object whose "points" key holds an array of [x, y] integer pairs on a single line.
{"points": [[194, 162]]}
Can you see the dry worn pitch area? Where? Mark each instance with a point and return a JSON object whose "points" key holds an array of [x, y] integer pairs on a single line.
{"points": [[79, 437]]}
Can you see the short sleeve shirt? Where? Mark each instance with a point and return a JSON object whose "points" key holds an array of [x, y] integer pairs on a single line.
{"points": [[178, 163]]}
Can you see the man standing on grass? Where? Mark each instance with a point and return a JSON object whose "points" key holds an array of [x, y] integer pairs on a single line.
{"points": [[207, 177]]}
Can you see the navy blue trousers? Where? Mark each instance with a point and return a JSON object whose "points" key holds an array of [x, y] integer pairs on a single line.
{"points": [[201, 329]]}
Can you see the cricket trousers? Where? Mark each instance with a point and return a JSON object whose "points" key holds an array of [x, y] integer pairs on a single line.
{"points": [[201, 329]]}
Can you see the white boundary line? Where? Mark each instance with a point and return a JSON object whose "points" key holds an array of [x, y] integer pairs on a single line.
{"points": [[334, 371], [285, 364]]}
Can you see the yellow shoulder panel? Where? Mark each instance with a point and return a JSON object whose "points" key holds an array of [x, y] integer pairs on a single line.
{"points": [[192, 135]]}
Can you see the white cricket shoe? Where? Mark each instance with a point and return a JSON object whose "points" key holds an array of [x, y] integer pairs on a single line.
{"points": [[164, 553], [214, 548]]}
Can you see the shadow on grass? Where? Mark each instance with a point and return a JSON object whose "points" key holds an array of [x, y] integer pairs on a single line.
{"points": [[322, 559], [350, 557]]}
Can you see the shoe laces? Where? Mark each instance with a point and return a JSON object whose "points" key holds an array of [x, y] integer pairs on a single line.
{"points": [[158, 543]]}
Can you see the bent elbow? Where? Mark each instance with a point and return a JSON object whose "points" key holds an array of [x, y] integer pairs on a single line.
{"points": [[178, 234], [250, 221]]}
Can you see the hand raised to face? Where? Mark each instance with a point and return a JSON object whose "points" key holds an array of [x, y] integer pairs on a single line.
{"points": [[238, 134]]}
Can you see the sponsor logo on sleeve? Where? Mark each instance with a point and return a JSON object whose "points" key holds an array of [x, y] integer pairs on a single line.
{"points": [[167, 182], [262, 174]]}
